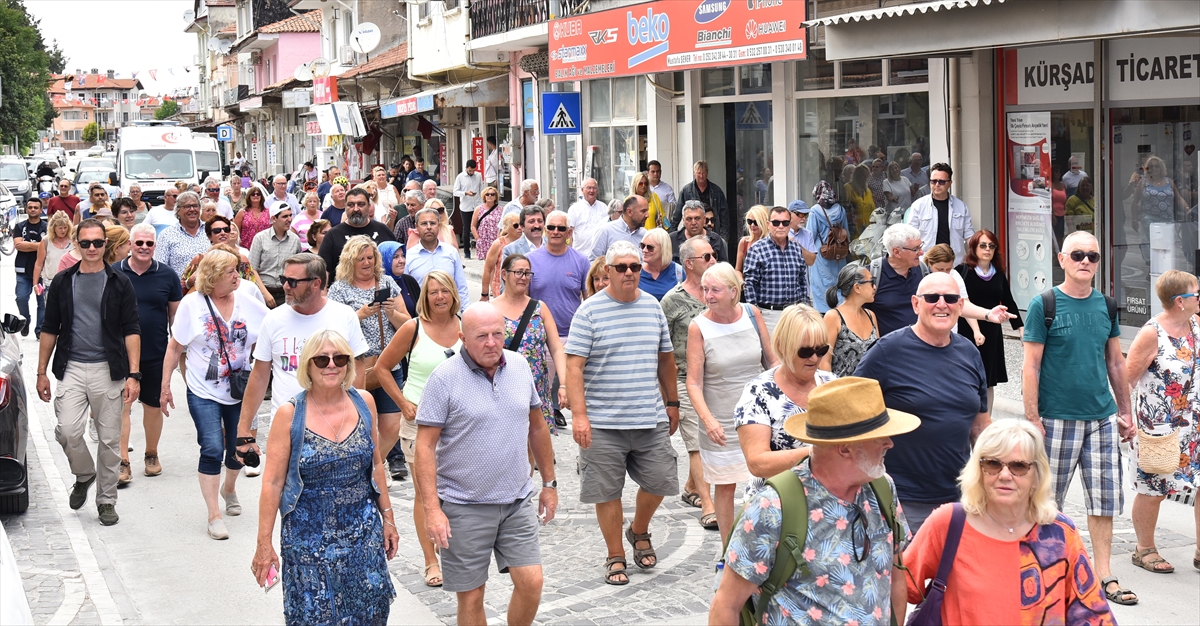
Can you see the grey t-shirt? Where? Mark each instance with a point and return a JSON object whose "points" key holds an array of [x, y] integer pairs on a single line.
{"points": [[87, 344]]}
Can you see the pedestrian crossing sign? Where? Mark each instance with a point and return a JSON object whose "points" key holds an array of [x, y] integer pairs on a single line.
{"points": [[561, 113]]}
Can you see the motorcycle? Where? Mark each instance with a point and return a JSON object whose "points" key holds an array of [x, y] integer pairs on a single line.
{"points": [[46, 186]]}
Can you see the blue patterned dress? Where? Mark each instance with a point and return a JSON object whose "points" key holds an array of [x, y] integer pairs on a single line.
{"points": [[334, 565], [535, 347]]}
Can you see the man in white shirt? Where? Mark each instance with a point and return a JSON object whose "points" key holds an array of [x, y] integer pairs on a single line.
{"points": [[529, 195], [586, 217], [467, 187], [665, 193], [212, 191], [1073, 175], [280, 183], [492, 168], [917, 176]]}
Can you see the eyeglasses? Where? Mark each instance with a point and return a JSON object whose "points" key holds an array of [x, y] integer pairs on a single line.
{"points": [[707, 256], [939, 181], [554, 228], [778, 223], [91, 243], [995, 466], [521, 273], [294, 282], [1185, 295], [859, 535], [218, 231], [932, 298], [914, 249], [808, 352], [322, 360], [144, 244], [986, 245], [1079, 255], [648, 247], [626, 267], [189, 206]]}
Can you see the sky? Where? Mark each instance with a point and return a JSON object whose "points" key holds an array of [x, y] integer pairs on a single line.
{"points": [[122, 35]]}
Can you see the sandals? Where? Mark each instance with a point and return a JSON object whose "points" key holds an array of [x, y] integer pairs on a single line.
{"points": [[611, 573], [640, 555], [1118, 596], [436, 579], [1155, 564], [709, 521], [690, 498]]}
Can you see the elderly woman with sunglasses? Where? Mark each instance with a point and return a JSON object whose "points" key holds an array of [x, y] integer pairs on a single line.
{"points": [[218, 325], [799, 342], [756, 228], [322, 478], [659, 273], [485, 221], [220, 233], [1017, 560]]}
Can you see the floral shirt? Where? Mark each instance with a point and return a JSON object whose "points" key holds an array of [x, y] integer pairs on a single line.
{"points": [[838, 588]]}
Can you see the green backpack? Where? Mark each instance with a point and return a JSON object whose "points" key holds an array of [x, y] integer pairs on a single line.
{"points": [[789, 555]]}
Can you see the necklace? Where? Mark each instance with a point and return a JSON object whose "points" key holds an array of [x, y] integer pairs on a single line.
{"points": [[337, 432], [989, 514]]}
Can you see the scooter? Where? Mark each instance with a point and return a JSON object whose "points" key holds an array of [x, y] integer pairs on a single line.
{"points": [[45, 186]]}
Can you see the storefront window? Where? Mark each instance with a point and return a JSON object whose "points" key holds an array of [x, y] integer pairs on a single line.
{"points": [[618, 134], [814, 72], [718, 82], [1153, 197], [862, 73], [756, 78], [908, 71], [624, 96], [600, 103]]}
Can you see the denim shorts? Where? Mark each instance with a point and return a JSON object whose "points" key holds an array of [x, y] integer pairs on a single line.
{"points": [[383, 402], [216, 432]]}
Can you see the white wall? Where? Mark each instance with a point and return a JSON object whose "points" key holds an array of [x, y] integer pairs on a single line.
{"points": [[438, 41]]}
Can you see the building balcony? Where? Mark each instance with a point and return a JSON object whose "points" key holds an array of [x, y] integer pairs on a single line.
{"points": [[233, 95], [494, 17]]}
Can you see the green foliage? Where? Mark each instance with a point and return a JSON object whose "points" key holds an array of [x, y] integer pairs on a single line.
{"points": [[91, 132], [25, 67], [56, 59], [168, 108]]}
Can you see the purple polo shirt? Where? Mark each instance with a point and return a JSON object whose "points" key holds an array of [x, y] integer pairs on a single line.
{"points": [[559, 281]]}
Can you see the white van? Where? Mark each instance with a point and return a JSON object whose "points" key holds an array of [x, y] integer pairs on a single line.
{"points": [[207, 153], [155, 156]]}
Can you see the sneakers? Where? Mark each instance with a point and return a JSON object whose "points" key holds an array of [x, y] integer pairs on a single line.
{"points": [[153, 468], [126, 476], [108, 514], [216, 529], [232, 506], [398, 470], [560, 420], [390, 480], [79, 493], [92, 430], [25, 329]]}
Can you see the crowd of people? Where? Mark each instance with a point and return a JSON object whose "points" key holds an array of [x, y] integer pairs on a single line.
{"points": [[794, 369]]}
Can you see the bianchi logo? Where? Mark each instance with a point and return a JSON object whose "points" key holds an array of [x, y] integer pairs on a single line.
{"points": [[707, 38], [601, 37]]}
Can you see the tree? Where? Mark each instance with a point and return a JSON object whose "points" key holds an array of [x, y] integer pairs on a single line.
{"points": [[91, 132], [168, 108], [56, 59], [25, 67]]}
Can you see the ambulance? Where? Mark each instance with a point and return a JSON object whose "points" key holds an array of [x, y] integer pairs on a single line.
{"points": [[155, 155]]}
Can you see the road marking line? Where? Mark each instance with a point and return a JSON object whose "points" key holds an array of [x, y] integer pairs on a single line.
{"points": [[93, 578], [74, 593]]}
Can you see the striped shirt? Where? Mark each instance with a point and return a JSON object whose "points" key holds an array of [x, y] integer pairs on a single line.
{"points": [[621, 342]]}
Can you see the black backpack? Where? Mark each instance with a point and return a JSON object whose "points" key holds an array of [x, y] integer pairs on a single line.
{"points": [[1049, 306]]}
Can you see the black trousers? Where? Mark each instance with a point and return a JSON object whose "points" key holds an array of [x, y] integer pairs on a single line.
{"points": [[464, 236]]}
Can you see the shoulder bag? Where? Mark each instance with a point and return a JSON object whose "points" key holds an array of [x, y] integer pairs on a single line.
{"points": [[237, 378], [929, 611], [837, 242], [515, 341], [763, 361]]}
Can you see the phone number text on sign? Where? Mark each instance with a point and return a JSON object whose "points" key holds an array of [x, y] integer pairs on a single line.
{"points": [[735, 54]]}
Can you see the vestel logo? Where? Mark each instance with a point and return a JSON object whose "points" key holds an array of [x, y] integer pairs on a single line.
{"points": [[600, 37], [710, 10]]}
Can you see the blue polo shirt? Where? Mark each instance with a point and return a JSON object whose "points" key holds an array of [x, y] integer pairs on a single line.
{"points": [[893, 298], [155, 289]]}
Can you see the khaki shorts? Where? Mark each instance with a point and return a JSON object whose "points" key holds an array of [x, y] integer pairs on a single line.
{"points": [[689, 420], [645, 454], [408, 447]]}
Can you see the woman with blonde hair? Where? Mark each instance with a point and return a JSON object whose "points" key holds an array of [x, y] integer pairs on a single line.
{"points": [[117, 246], [485, 221], [510, 231], [800, 341], [306, 218], [659, 273], [657, 217], [1018, 560], [53, 247], [426, 342], [727, 345], [860, 202], [235, 194], [218, 324], [756, 228], [597, 278]]}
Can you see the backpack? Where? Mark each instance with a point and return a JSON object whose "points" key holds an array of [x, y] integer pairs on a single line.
{"points": [[837, 243], [789, 555], [1049, 306], [877, 270]]}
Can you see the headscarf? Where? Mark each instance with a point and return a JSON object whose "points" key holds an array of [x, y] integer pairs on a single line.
{"points": [[823, 195], [387, 254]]}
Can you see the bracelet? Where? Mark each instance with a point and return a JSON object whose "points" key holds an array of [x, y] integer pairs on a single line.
{"points": [[485, 295], [389, 523], [385, 510], [672, 404]]}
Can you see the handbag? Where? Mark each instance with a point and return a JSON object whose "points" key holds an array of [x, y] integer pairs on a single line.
{"points": [[929, 611], [1158, 454], [371, 381], [763, 361], [237, 378]]}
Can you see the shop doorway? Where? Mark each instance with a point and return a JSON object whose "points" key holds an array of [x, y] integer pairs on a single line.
{"points": [[737, 146]]}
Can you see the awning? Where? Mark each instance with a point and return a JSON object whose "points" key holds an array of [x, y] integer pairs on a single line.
{"points": [[488, 92], [944, 27]]}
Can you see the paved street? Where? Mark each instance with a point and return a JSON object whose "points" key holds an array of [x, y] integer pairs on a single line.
{"points": [[158, 566]]}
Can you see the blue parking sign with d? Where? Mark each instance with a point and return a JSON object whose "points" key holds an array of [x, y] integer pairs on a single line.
{"points": [[224, 133], [561, 113]]}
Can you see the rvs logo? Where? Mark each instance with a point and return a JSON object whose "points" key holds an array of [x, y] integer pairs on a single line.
{"points": [[601, 37], [710, 10]]}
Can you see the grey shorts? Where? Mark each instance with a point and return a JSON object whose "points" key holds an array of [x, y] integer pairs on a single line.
{"points": [[479, 530], [689, 420], [645, 453]]}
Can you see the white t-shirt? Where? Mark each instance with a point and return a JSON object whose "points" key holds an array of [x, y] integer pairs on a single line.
{"points": [[387, 199], [207, 370], [586, 220], [159, 217], [283, 334]]}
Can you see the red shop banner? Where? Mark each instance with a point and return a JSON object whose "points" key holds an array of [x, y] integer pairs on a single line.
{"points": [[676, 35]]}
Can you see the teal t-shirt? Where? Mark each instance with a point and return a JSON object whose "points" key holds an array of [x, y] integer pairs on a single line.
{"points": [[1074, 376]]}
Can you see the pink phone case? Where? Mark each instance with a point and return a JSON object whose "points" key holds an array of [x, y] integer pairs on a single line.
{"points": [[272, 578]]}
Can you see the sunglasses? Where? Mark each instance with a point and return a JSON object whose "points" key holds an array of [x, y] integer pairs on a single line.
{"points": [[859, 535], [938, 181], [751, 223], [554, 228], [213, 190], [987, 245], [808, 352], [172, 195], [1185, 295], [995, 466], [778, 223], [707, 256], [932, 298], [144, 244], [91, 243], [322, 360], [218, 231], [648, 247], [294, 282], [625, 267], [1079, 255]]}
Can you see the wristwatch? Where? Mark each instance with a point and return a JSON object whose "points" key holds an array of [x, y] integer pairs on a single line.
{"points": [[550, 485], [134, 375], [672, 404]]}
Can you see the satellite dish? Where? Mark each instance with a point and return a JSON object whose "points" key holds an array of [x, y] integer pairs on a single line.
{"points": [[189, 16], [319, 67], [365, 38], [303, 73]]}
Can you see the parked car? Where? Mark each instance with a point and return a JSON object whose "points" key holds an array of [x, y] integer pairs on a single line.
{"points": [[14, 421], [15, 176], [7, 200]]}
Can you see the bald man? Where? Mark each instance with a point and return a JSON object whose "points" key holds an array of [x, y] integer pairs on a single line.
{"points": [[952, 404]]}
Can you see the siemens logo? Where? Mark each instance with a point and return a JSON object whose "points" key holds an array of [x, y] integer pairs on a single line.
{"points": [[710, 10]]}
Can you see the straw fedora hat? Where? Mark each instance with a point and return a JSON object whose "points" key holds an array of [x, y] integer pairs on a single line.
{"points": [[847, 410]]}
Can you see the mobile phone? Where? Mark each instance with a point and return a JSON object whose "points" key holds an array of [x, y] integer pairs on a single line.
{"points": [[272, 578], [382, 296]]}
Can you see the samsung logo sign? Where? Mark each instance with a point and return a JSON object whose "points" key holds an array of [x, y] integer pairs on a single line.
{"points": [[710, 10]]}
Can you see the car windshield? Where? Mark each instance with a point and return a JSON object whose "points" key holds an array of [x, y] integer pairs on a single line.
{"points": [[89, 163], [13, 171], [208, 161], [157, 164], [92, 176]]}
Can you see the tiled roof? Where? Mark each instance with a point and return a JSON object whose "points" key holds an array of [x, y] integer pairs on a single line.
{"points": [[220, 3], [384, 60], [232, 28], [92, 81], [305, 23]]}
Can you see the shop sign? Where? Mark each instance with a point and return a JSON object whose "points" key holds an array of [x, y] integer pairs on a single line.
{"points": [[1050, 74], [1029, 223], [527, 103], [312, 127], [396, 108], [477, 146], [1153, 67], [670, 36], [325, 90], [297, 99], [250, 104]]}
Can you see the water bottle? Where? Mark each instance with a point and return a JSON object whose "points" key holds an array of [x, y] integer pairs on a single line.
{"points": [[717, 577]]}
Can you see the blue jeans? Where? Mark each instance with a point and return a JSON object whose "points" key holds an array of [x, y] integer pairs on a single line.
{"points": [[216, 429], [24, 290]]}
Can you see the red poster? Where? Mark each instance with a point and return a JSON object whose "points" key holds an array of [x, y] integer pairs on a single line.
{"points": [[676, 35], [325, 90], [477, 151]]}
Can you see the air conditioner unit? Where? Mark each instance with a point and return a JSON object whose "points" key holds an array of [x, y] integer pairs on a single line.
{"points": [[346, 55]]}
